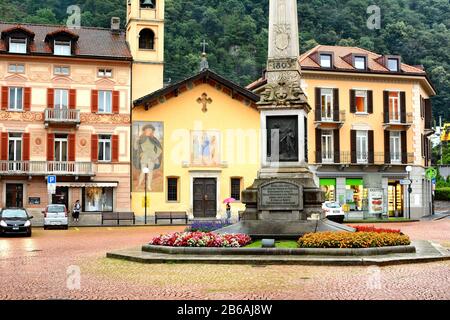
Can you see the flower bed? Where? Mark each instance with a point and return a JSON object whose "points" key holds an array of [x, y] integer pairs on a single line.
{"points": [[373, 229], [353, 240], [207, 226], [201, 239]]}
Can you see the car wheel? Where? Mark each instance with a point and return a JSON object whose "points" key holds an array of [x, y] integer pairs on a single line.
{"points": [[66, 228], [29, 234], [45, 228]]}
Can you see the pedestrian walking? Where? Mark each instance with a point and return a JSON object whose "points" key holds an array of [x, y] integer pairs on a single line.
{"points": [[76, 211]]}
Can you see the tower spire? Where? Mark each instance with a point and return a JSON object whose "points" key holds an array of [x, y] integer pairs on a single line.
{"points": [[204, 62]]}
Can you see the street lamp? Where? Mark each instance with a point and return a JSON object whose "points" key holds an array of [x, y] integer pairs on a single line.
{"points": [[409, 169], [146, 172]]}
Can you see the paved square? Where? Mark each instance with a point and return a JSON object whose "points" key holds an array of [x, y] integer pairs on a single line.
{"points": [[45, 267]]}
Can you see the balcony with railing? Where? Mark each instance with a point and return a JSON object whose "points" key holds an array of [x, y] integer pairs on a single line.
{"points": [[332, 118], [38, 168], [66, 117], [364, 158], [397, 120]]}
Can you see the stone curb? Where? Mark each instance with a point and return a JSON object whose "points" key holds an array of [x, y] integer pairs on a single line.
{"points": [[274, 260], [278, 251]]}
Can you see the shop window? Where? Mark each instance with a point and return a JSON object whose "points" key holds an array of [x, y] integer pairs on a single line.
{"points": [[98, 199], [355, 194], [328, 186], [172, 189], [236, 188]]}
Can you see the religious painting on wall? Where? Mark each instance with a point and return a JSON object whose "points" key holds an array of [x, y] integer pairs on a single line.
{"points": [[148, 151], [205, 148]]}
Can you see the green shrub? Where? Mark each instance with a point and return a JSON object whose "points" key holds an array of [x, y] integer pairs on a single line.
{"points": [[352, 240], [442, 194]]}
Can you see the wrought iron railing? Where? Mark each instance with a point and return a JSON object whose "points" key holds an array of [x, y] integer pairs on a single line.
{"points": [[363, 158]]}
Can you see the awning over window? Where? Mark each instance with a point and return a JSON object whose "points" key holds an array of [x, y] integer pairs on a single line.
{"points": [[355, 182], [88, 184], [327, 182]]}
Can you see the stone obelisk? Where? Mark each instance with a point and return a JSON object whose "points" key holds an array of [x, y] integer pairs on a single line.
{"points": [[284, 201]]}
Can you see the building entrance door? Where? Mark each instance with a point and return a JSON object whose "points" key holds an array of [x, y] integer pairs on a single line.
{"points": [[205, 198], [14, 195], [395, 199], [61, 196]]}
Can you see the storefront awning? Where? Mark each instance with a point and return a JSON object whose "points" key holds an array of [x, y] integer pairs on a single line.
{"points": [[327, 182], [354, 182], [88, 184]]}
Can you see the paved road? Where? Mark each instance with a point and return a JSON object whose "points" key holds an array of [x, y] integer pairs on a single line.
{"points": [[46, 267]]}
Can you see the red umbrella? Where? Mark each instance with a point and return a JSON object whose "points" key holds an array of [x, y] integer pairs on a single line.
{"points": [[229, 200]]}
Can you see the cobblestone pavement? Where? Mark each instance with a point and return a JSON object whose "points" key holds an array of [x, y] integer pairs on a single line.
{"points": [[45, 267]]}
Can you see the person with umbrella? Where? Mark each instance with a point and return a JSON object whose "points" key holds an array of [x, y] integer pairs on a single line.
{"points": [[228, 207]]}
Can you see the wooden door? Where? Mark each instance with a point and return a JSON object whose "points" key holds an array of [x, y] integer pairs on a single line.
{"points": [[205, 198]]}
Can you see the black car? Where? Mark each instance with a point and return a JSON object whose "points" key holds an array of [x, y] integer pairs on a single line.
{"points": [[15, 221]]}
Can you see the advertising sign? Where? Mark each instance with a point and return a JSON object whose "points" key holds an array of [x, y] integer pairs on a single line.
{"points": [[376, 201]]}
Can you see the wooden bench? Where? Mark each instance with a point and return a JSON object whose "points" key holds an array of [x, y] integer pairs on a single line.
{"points": [[172, 215], [118, 216]]}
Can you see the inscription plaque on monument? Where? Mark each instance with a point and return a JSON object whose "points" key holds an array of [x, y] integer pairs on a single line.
{"points": [[280, 196]]}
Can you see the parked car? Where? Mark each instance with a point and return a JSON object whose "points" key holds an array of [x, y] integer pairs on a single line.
{"points": [[15, 221], [333, 211], [56, 215]]}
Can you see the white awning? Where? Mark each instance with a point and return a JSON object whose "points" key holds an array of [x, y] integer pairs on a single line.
{"points": [[88, 184]]}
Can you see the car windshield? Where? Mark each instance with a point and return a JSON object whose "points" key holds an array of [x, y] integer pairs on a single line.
{"points": [[55, 209], [14, 213], [333, 205]]}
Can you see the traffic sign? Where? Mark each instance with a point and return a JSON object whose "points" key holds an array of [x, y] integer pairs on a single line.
{"points": [[51, 184], [405, 182], [431, 173]]}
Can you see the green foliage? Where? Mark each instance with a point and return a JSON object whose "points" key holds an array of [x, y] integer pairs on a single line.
{"points": [[442, 193], [236, 31]]}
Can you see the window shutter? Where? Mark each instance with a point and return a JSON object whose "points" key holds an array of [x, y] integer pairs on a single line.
{"points": [[72, 99], [5, 98], [50, 98], [428, 114], [50, 147], [387, 147], [336, 105], [370, 101], [337, 146], [116, 102], [72, 147], [115, 148], [403, 107], [4, 146], [352, 101], [27, 99], [318, 111], [422, 145], [386, 106], [404, 148], [370, 150], [94, 148], [26, 147], [94, 101], [353, 145], [318, 146]]}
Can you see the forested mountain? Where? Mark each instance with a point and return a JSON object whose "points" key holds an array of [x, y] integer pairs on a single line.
{"points": [[236, 32]]}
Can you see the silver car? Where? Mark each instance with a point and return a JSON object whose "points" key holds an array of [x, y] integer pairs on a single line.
{"points": [[55, 215]]}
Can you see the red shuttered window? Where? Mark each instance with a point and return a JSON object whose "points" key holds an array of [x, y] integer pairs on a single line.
{"points": [[26, 147], [5, 98], [94, 148], [27, 99], [72, 147], [4, 146], [115, 148], [50, 97], [50, 147], [94, 101], [116, 102], [72, 99]]}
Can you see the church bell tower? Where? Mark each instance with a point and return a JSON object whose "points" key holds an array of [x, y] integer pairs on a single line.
{"points": [[145, 36]]}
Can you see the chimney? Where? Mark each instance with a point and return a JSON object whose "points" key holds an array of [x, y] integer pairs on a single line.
{"points": [[115, 25]]}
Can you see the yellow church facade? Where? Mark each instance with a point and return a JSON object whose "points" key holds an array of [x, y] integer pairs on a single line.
{"points": [[200, 141]]}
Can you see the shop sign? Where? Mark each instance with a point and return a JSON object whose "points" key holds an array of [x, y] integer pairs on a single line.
{"points": [[376, 201], [431, 173]]}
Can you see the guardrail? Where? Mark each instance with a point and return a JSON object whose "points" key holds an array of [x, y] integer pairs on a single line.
{"points": [[72, 168]]}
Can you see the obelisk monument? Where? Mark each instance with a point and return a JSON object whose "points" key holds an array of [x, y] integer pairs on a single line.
{"points": [[284, 201]]}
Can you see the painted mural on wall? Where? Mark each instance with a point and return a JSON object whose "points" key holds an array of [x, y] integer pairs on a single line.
{"points": [[148, 150], [205, 148]]}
